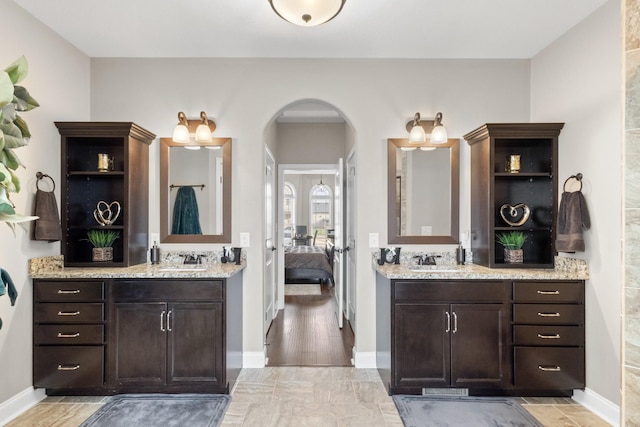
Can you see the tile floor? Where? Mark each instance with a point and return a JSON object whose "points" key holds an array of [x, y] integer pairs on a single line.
{"points": [[297, 396]]}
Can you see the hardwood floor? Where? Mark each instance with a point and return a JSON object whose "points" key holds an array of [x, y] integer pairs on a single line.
{"points": [[306, 333]]}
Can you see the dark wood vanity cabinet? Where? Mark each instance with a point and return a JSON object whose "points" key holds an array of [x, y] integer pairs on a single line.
{"points": [[548, 335], [68, 334], [137, 335], [126, 182], [495, 189], [449, 334], [167, 335]]}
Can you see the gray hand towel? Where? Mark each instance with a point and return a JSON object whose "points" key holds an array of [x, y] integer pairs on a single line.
{"points": [[47, 226], [573, 217]]}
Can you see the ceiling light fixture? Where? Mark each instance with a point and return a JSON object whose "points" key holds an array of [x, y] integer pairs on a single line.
{"points": [[306, 13], [419, 129]]}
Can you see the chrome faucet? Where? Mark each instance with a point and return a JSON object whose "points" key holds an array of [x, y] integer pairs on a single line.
{"points": [[426, 259], [193, 259]]}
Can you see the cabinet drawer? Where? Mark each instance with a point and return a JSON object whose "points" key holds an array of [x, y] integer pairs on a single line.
{"points": [[549, 314], [68, 366], [68, 334], [551, 335], [50, 312], [167, 290], [548, 292], [549, 368], [450, 291], [68, 291]]}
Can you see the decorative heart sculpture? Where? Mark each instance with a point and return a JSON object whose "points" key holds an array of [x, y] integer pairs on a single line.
{"points": [[513, 213], [105, 214]]}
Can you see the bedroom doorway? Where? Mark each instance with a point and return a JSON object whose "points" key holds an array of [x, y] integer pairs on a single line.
{"points": [[306, 330]]}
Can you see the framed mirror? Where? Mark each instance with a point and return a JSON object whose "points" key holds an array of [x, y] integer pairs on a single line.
{"points": [[195, 191], [423, 192]]}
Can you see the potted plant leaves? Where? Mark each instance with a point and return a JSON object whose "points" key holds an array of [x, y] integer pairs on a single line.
{"points": [[512, 243], [102, 241]]}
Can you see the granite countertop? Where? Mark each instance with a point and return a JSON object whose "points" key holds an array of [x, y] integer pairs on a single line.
{"points": [[51, 268], [565, 269]]}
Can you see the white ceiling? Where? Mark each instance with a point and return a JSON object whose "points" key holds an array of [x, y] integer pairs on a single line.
{"points": [[364, 28]]}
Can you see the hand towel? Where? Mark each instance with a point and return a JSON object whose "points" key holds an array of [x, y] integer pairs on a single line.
{"points": [[47, 226], [7, 284], [185, 213], [573, 217]]}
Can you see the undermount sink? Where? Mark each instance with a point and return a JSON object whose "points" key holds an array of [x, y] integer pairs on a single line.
{"points": [[183, 267], [434, 268]]}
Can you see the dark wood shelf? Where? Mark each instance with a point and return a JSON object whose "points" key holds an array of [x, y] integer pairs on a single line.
{"points": [[536, 186], [128, 145]]}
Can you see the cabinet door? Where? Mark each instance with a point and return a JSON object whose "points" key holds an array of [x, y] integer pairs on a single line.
{"points": [[140, 344], [479, 345], [195, 343], [420, 345]]}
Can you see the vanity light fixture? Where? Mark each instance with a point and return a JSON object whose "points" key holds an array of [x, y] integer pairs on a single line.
{"points": [[419, 129], [307, 13], [181, 132], [201, 130]]}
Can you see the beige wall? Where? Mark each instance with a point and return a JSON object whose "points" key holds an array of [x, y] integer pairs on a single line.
{"points": [[59, 80], [631, 319], [577, 80]]}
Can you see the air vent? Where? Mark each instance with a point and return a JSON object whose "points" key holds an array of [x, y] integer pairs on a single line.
{"points": [[445, 392]]}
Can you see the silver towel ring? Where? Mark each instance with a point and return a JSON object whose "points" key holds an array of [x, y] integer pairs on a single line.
{"points": [[41, 176], [577, 177]]}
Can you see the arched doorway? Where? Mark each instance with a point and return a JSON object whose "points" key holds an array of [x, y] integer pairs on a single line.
{"points": [[309, 140]]}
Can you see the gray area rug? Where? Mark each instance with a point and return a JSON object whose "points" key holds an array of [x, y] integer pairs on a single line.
{"points": [[445, 411], [167, 410]]}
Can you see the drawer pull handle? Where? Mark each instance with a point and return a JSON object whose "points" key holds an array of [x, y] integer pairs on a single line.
{"points": [[68, 367], [68, 313], [455, 322], [162, 321], [549, 337], [68, 291], [63, 335], [549, 292], [448, 321], [169, 320], [549, 314], [549, 368]]}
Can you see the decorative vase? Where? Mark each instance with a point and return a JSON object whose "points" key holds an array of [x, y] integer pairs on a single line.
{"points": [[512, 256], [102, 254]]}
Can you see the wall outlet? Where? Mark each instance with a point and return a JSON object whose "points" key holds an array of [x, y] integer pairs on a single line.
{"points": [[374, 240], [245, 241]]}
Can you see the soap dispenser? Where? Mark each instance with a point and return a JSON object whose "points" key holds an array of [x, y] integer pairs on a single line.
{"points": [[155, 254], [460, 254]]}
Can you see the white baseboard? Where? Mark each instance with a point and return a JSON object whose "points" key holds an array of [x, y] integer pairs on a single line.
{"points": [[600, 406], [253, 359], [19, 403], [364, 359]]}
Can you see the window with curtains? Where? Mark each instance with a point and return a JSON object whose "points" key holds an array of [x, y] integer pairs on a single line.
{"points": [[289, 212], [321, 212]]}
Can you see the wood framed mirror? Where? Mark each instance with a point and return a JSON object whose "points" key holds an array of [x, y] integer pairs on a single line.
{"points": [[199, 179], [423, 192]]}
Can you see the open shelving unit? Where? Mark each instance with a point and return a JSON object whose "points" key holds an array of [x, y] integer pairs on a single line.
{"points": [[85, 186], [535, 185]]}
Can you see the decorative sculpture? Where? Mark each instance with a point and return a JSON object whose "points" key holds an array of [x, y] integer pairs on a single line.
{"points": [[106, 213], [513, 213]]}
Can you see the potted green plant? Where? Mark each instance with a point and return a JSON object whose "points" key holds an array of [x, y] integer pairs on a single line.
{"points": [[102, 241], [14, 133], [512, 242]]}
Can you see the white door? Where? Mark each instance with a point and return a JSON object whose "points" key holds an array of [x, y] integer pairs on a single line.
{"points": [[350, 288], [269, 242], [338, 259]]}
